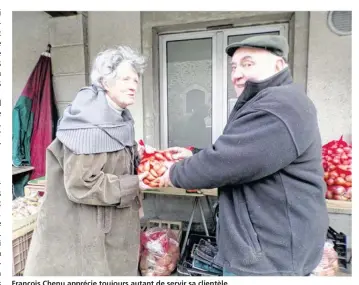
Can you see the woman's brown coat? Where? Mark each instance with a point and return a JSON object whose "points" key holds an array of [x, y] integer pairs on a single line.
{"points": [[89, 222]]}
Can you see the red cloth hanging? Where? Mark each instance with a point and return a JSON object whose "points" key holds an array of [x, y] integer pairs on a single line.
{"points": [[39, 88]]}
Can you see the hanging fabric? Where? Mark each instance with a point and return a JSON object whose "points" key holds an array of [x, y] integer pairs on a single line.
{"points": [[34, 118]]}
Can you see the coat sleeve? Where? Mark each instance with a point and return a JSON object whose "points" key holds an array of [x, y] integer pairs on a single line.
{"points": [[256, 145], [87, 183], [136, 157]]}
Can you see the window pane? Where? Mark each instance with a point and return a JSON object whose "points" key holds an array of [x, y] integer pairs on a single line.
{"points": [[231, 94], [189, 92]]}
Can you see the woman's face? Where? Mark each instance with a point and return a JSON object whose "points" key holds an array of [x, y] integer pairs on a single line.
{"points": [[123, 89]]}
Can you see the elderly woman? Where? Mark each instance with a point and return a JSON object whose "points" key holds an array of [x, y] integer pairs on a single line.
{"points": [[89, 222]]}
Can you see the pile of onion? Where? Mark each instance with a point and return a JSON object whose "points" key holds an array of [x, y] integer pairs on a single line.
{"points": [[337, 164]]}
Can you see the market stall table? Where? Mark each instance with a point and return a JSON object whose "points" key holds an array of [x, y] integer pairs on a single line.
{"points": [[21, 169], [196, 203]]}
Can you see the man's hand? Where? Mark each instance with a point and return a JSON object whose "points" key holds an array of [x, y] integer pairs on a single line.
{"points": [[179, 152], [164, 180], [142, 185]]}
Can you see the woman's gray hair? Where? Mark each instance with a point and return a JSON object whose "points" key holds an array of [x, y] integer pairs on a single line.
{"points": [[105, 64]]}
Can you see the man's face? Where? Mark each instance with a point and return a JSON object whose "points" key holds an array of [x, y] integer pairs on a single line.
{"points": [[253, 64]]}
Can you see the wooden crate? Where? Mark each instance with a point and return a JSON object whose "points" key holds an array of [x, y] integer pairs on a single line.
{"points": [[339, 207]]}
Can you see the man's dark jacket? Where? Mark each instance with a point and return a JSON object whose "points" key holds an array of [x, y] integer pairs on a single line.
{"points": [[267, 167]]}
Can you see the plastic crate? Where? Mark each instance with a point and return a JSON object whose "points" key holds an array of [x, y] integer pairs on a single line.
{"points": [[184, 267], [20, 249], [22, 226]]}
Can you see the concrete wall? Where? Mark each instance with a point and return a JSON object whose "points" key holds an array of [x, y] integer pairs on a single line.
{"points": [[108, 29], [30, 39], [329, 77], [75, 42], [69, 55]]}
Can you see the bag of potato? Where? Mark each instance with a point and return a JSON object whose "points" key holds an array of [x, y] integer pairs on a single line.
{"points": [[160, 252]]}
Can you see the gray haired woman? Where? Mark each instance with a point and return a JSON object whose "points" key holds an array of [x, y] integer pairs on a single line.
{"points": [[89, 222]]}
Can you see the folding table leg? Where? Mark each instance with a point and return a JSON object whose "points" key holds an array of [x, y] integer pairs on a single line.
{"points": [[203, 218], [189, 226]]}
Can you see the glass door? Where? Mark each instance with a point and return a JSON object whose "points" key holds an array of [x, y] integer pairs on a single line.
{"points": [[196, 93], [188, 82]]}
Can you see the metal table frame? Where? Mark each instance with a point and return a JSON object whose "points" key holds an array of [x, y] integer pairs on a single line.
{"points": [[196, 204]]}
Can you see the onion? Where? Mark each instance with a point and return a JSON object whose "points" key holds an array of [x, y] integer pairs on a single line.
{"points": [[333, 174], [337, 189], [344, 157], [326, 175], [339, 197], [348, 193], [331, 167], [171, 267], [347, 149], [164, 260], [329, 195], [339, 181]]}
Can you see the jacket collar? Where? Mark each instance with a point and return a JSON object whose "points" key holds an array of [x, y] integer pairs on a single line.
{"points": [[252, 88]]}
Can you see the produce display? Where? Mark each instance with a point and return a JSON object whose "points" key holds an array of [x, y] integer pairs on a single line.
{"points": [[159, 252], [154, 163], [23, 207], [337, 164]]}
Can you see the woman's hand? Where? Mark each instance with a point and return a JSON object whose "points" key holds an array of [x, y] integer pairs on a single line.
{"points": [[142, 185]]}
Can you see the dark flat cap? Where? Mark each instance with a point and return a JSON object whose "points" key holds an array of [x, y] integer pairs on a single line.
{"points": [[275, 44]]}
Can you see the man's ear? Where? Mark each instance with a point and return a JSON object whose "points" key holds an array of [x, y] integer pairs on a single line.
{"points": [[280, 64]]}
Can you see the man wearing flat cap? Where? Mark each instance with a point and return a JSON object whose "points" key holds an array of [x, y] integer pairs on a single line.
{"points": [[267, 166]]}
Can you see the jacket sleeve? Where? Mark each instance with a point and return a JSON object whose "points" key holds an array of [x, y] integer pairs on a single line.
{"points": [[256, 145], [87, 183]]}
